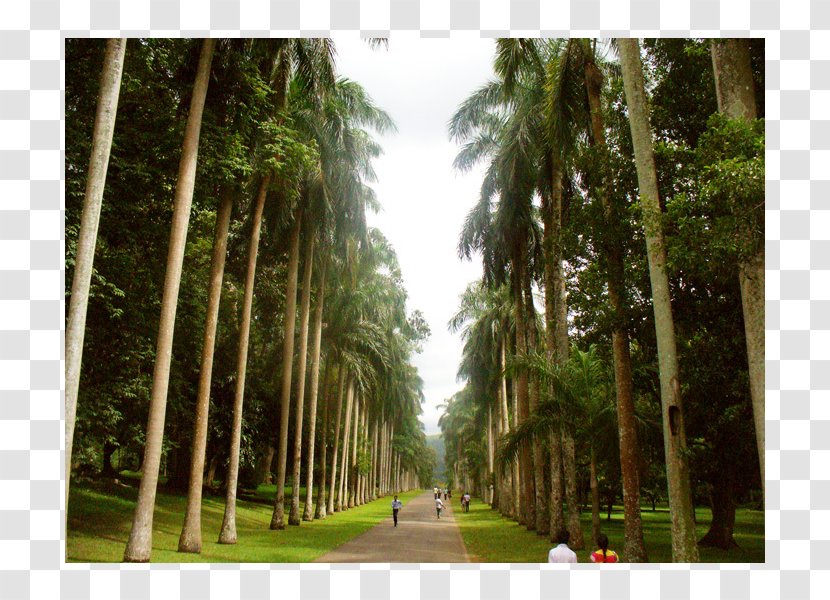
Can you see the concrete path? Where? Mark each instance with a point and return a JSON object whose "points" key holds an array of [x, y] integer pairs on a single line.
{"points": [[419, 537]]}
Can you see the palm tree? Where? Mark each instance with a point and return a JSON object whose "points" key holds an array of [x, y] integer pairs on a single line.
{"points": [[139, 545], [305, 307], [684, 544], [282, 58], [102, 131], [277, 518], [345, 155], [190, 539], [312, 409]]}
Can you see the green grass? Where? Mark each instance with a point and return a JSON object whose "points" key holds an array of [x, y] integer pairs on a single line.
{"points": [[492, 538], [100, 520]]}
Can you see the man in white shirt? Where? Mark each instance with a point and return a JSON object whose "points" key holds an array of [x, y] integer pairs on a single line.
{"points": [[396, 506], [439, 505], [562, 553]]}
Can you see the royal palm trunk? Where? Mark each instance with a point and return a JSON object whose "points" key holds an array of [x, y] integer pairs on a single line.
{"points": [[341, 383], [278, 517], [227, 534], [313, 391], [305, 309], [102, 131], [556, 334], [139, 545], [540, 502], [342, 502], [526, 512], [190, 539], [322, 502]]}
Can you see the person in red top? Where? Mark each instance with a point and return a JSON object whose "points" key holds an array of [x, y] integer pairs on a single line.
{"points": [[603, 554]]}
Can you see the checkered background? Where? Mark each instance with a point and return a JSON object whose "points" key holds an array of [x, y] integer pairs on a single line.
{"points": [[32, 307]]}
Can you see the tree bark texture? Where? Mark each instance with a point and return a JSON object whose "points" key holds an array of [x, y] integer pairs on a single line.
{"points": [[227, 534], [190, 539], [302, 358], [341, 383], [322, 500], [526, 514], [102, 131], [278, 517], [344, 462], [313, 392], [736, 99], [139, 545], [540, 501], [684, 544]]}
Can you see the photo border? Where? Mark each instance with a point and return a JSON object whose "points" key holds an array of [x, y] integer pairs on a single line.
{"points": [[32, 303]]}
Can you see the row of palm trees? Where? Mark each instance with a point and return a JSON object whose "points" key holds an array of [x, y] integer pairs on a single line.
{"points": [[309, 169], [525, 124]]}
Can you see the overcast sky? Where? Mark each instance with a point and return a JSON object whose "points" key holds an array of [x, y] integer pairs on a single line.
{"points": [[420, 83]]}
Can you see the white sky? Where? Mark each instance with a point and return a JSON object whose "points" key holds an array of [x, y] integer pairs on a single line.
{"points": [[420, 83]]}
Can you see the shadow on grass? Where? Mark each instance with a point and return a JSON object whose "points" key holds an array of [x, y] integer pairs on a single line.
{"points": [[490, 537], [100, 518]]}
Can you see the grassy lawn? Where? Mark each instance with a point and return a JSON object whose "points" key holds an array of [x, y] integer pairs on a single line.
{"points": [[492, 538], [100, 519]]}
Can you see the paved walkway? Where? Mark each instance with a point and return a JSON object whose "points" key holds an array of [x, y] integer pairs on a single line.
{"points": [[419, 537]]}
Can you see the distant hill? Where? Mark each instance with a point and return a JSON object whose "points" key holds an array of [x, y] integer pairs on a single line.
{"points": [[437, 443]]}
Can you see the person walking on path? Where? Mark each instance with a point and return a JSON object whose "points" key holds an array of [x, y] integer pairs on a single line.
{"points": [[603, 554], [562, 553], [418, 538], [439, 505], [435, 492], [396, 506]]}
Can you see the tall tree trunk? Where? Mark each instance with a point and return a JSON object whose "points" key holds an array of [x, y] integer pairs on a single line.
{"points": [[190, 539], [320, 511], [509, 483], [352, 493], [556, 332], [684, 546], [341, 383], [373, 480], [489, 489], [571, 492], [517, 475], [526, 512], [305, 310], [227, 534], [140, 543], [102, 130], [344, 463], [278, 517], [557, 486], [364, 451], [312, 409], [540, 502], [629, 447], [736, 99]]}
